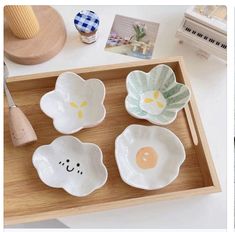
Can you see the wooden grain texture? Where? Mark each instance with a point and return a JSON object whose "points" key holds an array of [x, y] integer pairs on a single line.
{"points": [[47, 43], [28, 199]]}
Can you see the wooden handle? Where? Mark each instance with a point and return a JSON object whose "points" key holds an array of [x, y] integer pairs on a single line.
{"points": [[191, 125], [21, 130]]}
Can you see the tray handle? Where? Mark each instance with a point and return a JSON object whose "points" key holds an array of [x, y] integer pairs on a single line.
{"points": [[191, 125]]}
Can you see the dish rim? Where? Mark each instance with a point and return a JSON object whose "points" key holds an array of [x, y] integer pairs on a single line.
{"points": [[82, 127], [165, 129], [144, 117], [101, 158]]}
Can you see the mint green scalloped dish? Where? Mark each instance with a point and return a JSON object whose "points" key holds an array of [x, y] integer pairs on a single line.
{"points": [[155, 96]]}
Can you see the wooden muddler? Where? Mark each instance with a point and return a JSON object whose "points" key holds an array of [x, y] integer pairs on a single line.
{"points": [[22, 21], [21, 130]]}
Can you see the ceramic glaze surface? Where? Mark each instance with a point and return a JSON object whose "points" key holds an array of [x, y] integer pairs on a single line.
{"points": [[155, 96], [148, 157], [72, 165], [75, 103]]}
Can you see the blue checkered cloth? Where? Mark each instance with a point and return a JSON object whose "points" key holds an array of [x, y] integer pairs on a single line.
{"points": [[86, 21]]}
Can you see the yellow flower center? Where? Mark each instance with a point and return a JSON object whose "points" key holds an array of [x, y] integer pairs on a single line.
{"points": [[80, 113], [154, 99]]}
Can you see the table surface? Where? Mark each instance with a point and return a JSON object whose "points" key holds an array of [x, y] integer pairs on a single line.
{"points": [[208, 79]]}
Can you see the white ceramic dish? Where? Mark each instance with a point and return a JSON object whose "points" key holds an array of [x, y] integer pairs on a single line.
{"points": [[72, 165], [75, 103], [148, 157], [155, 96]]}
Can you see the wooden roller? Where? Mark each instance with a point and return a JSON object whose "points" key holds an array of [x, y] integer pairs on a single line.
{"points": [[32, 34], [22, 21]]}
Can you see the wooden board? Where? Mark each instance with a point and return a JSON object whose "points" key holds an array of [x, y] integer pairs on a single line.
{"points": [[28, 199], [46, 44]]}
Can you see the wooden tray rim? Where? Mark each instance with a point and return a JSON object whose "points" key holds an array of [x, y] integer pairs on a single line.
{"points": [[108, 206], [191, 114]]}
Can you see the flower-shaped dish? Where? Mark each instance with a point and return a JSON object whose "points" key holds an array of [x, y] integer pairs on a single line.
{"points": [[148, 157], [155, 96], [72, 165], [75, 103]]}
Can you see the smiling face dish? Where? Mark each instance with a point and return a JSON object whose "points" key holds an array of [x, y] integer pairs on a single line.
{"points": [[72, 165]]}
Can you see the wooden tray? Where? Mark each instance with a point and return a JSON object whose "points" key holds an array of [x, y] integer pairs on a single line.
{"points": [[28, 199]]}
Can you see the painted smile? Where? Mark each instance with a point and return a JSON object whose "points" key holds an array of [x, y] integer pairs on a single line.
{"points": [[67, 168]]}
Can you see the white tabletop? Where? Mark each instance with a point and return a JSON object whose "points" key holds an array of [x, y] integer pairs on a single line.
{"points": [[208, 79]]}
